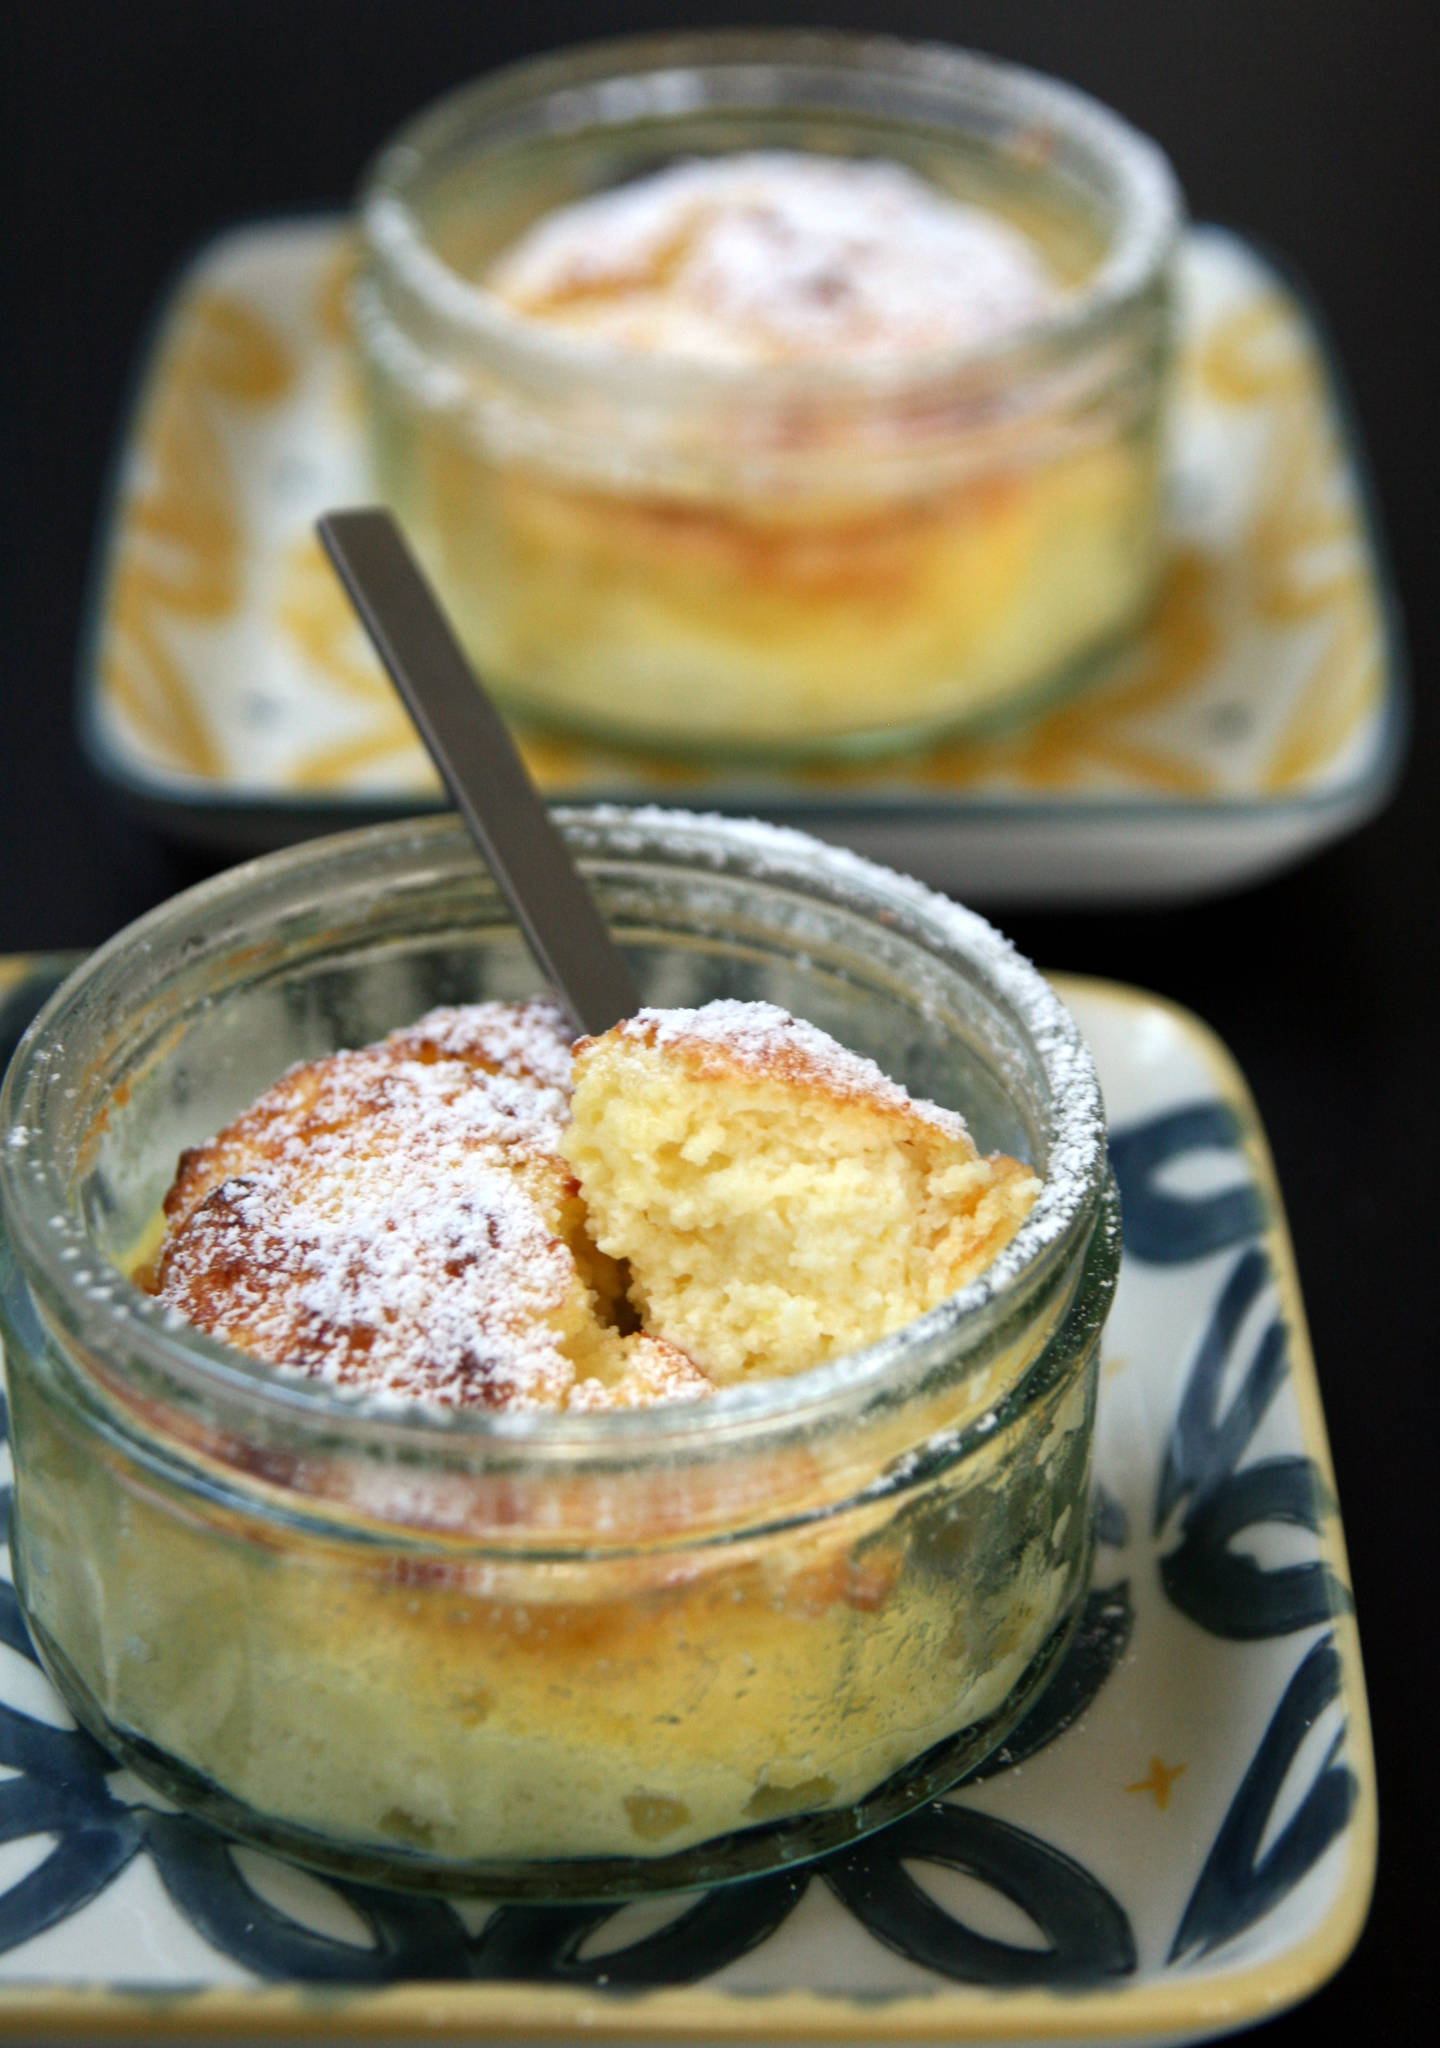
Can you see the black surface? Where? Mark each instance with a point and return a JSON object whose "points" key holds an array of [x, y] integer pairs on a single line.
{"points": [[133, 132]]}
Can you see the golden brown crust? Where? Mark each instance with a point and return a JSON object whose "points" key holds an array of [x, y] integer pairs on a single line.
{"points": [[742, 1197], [399, 1218]]}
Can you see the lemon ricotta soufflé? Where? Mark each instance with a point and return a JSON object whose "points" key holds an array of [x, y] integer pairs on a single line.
{"points": [[816, 523], [471, 1214]]}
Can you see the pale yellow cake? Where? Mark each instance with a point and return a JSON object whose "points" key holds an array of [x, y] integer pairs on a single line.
{"points": [[726, 1194], [777, 1199], [399, 1218], [404, 1219]]}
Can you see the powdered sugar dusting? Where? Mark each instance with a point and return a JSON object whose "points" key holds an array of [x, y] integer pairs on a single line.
{"points": [[527, 1041], [386, 1217], [386, 1277], [765, 1038], [444, 1290], [770, 255]]}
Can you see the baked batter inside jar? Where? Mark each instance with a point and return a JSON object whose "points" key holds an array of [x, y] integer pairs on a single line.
{"points": [[772, 393], [533, 1650], [472, 1215]]}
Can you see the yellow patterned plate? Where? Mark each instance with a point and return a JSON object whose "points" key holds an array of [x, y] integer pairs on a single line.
{"points": [[227, 690]]}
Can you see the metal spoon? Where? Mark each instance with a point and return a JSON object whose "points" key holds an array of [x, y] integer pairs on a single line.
{"points": [[470, 745]]}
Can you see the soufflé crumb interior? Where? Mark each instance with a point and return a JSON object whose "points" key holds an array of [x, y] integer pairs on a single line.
{"points": [[474, 1212]]}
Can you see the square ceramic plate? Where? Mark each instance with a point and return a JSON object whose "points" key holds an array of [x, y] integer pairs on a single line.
{"points": [[227, 690], [1178, 1841]]}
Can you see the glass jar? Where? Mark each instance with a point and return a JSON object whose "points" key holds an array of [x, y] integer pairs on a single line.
{"points": [[797, 557], [543, 1655]]}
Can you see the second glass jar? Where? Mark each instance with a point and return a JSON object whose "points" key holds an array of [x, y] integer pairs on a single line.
{"points": [[787, 558]]}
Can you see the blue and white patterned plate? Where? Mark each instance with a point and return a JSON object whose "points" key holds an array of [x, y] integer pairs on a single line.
{"points": [[1179, 1840]]}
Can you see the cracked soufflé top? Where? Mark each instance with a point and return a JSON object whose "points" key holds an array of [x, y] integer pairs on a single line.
{"points": [[474, 1213]]}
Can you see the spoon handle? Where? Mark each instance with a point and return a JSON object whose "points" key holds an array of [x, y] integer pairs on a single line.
{"points": [[471, 746]]}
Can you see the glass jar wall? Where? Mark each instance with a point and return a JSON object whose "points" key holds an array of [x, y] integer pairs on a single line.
{"points": [[543, 1655], [785, 557]]}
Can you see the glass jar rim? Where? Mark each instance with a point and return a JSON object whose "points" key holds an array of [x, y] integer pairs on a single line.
{"points": [[52, 1245], [1151, 208]]}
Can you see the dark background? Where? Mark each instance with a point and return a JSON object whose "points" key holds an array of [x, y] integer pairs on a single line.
{"points": [[134, 131]]}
